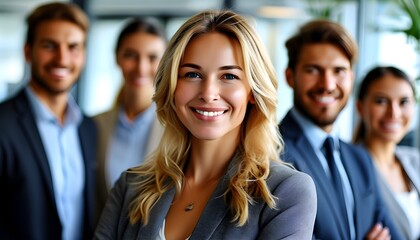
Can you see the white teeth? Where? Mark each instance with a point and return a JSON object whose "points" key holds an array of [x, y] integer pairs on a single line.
{"points": [[60, 71], [392, 126], [326, 99], [209, 114]]}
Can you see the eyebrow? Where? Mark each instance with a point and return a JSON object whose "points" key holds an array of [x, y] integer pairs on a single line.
{"points": [[53, 41], [47, 40], [229, 67], [315, 65], [191, 65], [386, 95]]}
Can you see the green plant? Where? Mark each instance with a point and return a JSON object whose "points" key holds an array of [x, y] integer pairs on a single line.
{"points": [[412, 10], [323, 8]]}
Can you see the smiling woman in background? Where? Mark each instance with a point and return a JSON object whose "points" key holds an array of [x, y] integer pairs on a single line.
{"points": [[130, 130], [386, 104]]}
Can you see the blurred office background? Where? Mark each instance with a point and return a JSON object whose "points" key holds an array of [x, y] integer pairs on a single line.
{"points": [[372, 23]]}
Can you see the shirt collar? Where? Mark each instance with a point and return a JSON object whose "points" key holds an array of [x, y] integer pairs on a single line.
{"points": [[43, 113], [315, 135], [139, 120]]}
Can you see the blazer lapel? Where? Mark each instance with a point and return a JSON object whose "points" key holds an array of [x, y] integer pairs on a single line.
{"points": [[358, 188], [414, 177], [401, 220], [106, 124], [87, 138], [27, 121], [157, 215], [307, 161], [316, 170], [411, 170], [314, 167], [211, 217], [214, 212]]}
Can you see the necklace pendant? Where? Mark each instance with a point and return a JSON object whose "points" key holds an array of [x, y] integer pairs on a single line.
{"points": [[189, 207]]}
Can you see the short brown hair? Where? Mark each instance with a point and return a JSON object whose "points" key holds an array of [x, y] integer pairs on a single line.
{"points": [[320, 31], [55, 11]]}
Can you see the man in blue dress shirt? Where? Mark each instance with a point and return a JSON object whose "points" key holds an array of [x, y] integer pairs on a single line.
{"points": [[47, 146], [321, 56]]}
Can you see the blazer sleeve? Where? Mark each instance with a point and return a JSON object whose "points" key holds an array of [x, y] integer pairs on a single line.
{"points": [[5, 230], [384, 215], [296, 205], [112, 214]]}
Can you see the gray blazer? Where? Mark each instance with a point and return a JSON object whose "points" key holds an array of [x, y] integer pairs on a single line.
{"points": [[293, 219], [106, 123], [410, 161]]}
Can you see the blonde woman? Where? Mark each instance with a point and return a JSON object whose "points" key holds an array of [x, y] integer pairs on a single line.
{"points": [[216, 173], [386, 104]]}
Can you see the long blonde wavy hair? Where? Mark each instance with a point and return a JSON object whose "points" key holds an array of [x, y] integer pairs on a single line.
{"points": [[260, 141]]}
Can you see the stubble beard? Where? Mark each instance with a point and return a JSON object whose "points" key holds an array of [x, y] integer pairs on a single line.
{"points": [[321, 119], [38, 80]]}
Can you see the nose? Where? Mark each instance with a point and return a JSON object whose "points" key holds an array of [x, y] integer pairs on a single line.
{"points": [[394, 110], [143, 66], [328, 81], [62, 55], [210, 90]]}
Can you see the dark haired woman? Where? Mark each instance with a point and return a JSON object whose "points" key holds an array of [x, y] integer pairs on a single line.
{"points": [[386, 103], [130, 130]]}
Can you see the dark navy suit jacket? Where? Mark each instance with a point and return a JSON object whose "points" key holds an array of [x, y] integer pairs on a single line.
{"points": [[27, 204], [369, 207]]}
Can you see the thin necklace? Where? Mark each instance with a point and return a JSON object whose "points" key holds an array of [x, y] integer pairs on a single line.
{"points": [[190, 206]]}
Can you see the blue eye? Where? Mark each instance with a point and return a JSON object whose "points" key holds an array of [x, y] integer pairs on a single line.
{"points": [[192, 75], [230, 76]]}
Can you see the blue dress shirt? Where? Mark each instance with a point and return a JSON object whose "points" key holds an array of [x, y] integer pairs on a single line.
{"points": [[128, 144], [62, 146]]}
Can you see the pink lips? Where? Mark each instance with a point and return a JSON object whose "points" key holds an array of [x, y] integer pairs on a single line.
{"points": [[59, 72], [209, 113], [391, 126]]}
